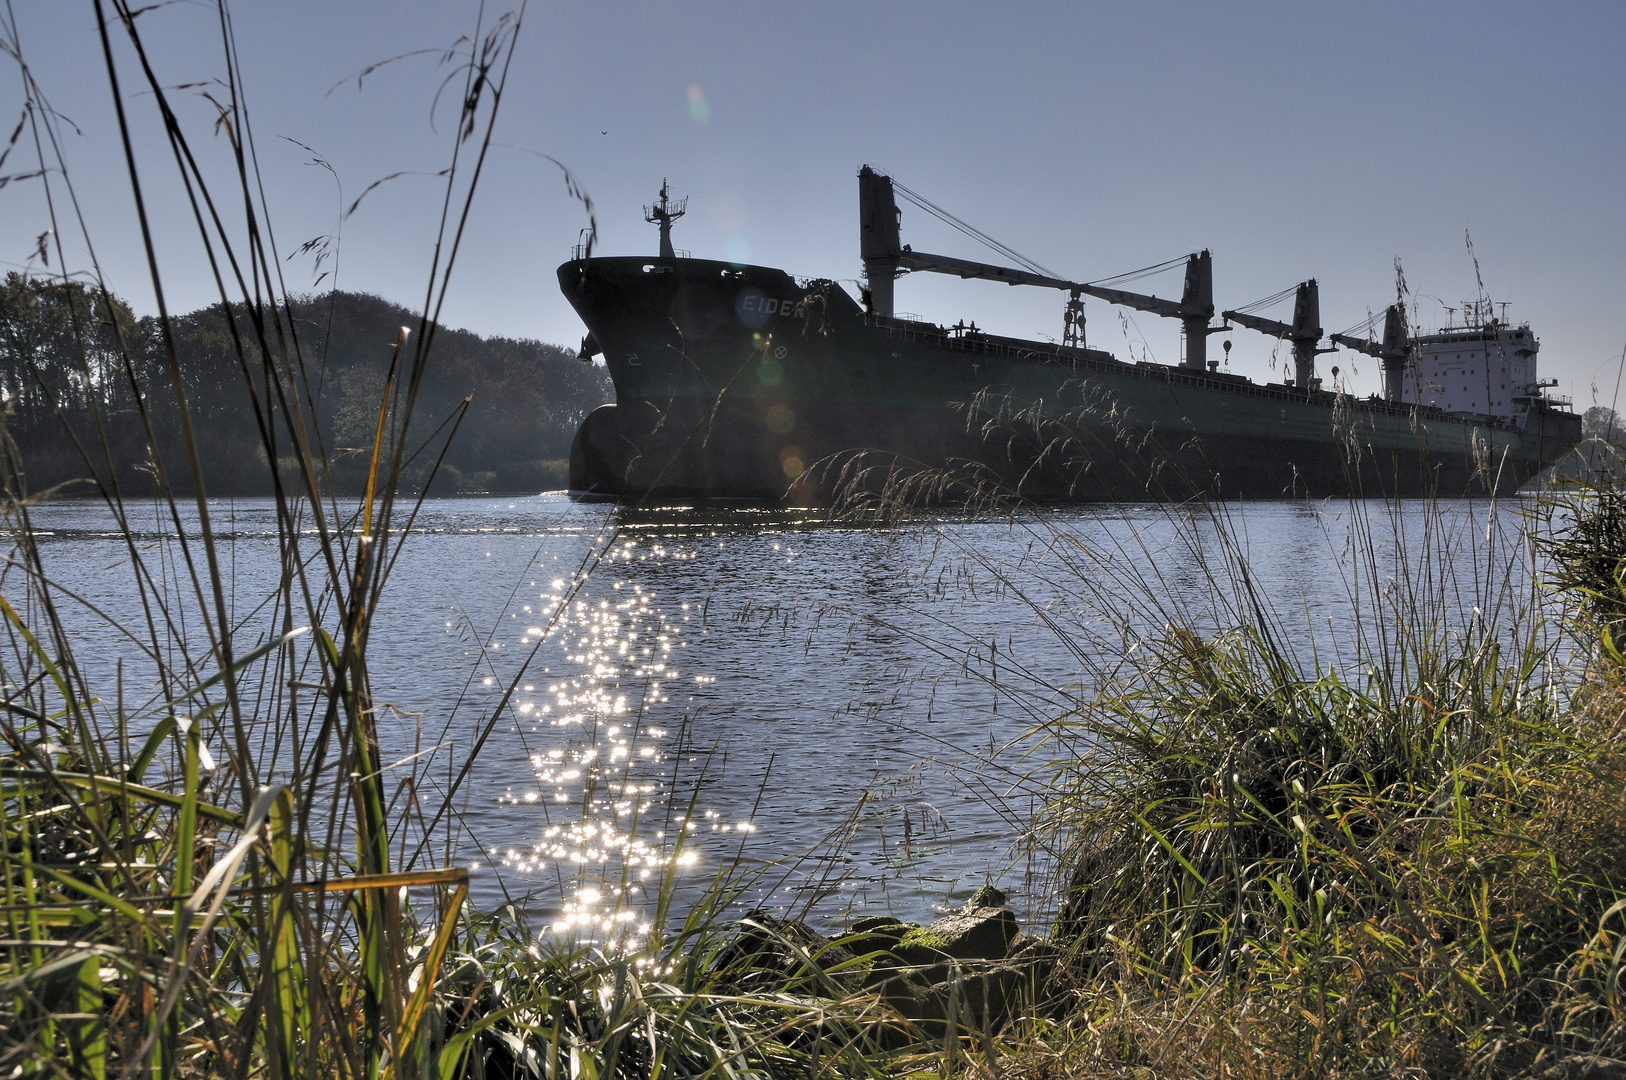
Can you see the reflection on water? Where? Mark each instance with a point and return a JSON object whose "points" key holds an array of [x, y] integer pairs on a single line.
{"points": [[836, 709]]}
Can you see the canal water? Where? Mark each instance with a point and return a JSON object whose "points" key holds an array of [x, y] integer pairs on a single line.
{"points": [[850, 717]]}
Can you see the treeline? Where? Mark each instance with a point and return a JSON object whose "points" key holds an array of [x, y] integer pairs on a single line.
{"points": [[88, 391]]}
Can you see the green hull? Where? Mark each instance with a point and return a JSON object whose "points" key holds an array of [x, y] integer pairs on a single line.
{"points": [[738, 382]]}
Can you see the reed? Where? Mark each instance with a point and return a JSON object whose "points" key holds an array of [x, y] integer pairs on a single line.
{"points": [[270, 912]]}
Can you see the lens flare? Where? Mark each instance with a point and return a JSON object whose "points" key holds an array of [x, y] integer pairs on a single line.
{"points": [[790, 460], [699, 107], [780, 419]]}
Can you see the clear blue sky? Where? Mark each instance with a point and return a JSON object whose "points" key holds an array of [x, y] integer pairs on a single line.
{"points": [[1292, 139]]}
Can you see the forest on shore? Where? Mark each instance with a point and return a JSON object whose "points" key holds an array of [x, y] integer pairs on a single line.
{"points": [[72, 360]]}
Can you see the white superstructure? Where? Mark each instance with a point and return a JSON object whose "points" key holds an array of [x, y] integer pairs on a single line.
{"points": [[1486, 367]]}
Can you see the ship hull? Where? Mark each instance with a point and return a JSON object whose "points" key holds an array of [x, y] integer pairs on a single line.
{"points": [[740, 383]]}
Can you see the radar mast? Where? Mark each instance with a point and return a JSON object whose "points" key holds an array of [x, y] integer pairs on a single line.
{"points": [[663, 214]]}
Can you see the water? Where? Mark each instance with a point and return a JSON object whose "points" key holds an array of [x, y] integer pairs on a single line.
{"points": [[844, 706]]}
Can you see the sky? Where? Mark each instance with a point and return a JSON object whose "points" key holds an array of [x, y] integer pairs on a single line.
{"points": [[1293, 140]]}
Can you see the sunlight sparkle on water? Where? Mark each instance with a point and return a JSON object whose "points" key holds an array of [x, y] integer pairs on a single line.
{"points": [[602, 761]]}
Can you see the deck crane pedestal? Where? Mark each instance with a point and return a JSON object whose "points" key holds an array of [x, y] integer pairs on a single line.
{"points": [[885, 257], [1304, 331], [1394, 350], [1194, 308]]}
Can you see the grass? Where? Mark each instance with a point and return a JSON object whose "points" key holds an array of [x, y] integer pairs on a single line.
{"points": [[1394, 854], [1400, 859]]}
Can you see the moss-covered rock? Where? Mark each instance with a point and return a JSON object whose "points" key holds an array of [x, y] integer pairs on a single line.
{"points": [[981, 933]]}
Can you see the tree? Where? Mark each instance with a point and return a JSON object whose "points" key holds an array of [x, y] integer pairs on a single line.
{"points": [[76, 368], [1602, 422]]}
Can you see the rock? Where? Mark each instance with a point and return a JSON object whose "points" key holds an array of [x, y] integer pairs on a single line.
{"points": [[911, 996], [976, 957], [879, 933], [874, 942], [1586, 1067], [1024, 940], [773, 955], [1050, 976], [1021, 981], [986, 896], [990, 997], [1036, 954], [980, 933], [923, 994]]}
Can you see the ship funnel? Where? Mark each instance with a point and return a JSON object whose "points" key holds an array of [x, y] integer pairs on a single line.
{"points": [[878, 237]]}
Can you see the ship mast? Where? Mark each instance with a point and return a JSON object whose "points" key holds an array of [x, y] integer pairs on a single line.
{"points": [[1304, 331], [663, 214]]}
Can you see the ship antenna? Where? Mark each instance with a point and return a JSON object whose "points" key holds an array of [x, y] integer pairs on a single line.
{"points": [[663, 214]]}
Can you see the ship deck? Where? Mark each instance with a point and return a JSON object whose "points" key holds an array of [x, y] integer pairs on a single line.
{"points": [[979, 343]]}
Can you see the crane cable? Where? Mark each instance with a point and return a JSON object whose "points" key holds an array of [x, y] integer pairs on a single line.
{"points": [[1273, 298], [1017, 257], [1143, 272], [972, 231], [1366, 326]]}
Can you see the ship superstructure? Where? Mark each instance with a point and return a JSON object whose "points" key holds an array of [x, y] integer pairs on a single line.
{"points": [[1485, 367], [741, 382]]}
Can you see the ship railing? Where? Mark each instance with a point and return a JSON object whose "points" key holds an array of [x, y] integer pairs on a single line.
{"points": [[578, 252], [912, 330]]}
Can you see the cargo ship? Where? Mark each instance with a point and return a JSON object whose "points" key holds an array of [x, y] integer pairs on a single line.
{"points": [[741, 382]]}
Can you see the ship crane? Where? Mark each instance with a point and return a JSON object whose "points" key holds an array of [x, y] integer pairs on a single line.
{"points": [[1194, 308], [1304, 331], [885, 257], [1393, 351]]}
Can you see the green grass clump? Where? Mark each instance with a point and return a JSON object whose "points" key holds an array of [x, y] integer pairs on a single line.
{"points": [[1589, 559], [1417, 867], [685, 1001]]}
